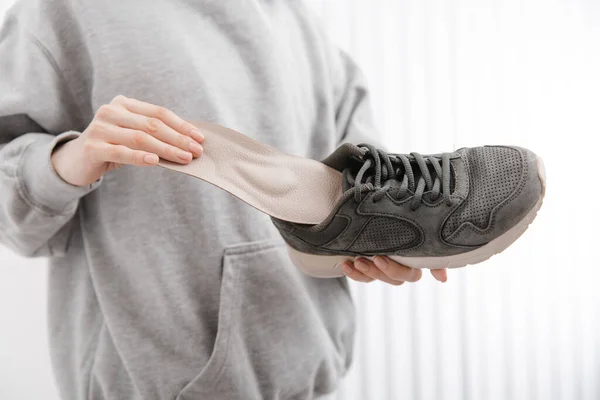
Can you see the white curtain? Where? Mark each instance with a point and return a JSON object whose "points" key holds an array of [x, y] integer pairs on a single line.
{"points": [[451, 73], [448, 74]]}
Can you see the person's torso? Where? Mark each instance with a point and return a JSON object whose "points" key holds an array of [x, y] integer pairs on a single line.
{"points": [[193, 289]]}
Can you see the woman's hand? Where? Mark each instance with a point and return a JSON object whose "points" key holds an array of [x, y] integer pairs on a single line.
{"points": [[126, 131], [386, 270]]}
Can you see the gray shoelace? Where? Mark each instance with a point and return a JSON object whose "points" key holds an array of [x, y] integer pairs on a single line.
{"points": [[392, 168]]}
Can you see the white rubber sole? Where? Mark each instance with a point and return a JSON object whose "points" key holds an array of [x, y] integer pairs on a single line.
{"points": [[329, 266]]}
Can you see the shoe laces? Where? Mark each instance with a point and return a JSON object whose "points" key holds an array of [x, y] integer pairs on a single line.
{"points": [[381, 172]]}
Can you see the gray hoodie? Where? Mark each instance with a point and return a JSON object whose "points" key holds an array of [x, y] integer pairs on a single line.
{"points": [[162, 286]]}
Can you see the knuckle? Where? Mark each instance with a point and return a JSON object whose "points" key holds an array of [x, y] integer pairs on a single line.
{"points": [[95, 129], [186, 128], [88, 147], [172, 152], [162, 112], [119, 99], [115, 152], [167, 151], [138, 158], [139, 138], [105, 111], [152, 125], [183, 142]]}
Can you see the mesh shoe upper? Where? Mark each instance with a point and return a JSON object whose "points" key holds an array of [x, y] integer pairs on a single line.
{"points": [[494, 173], [417, 205], [385, 233]]}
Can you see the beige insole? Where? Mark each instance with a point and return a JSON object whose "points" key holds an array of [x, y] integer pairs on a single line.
{"points": [[284, 186]]}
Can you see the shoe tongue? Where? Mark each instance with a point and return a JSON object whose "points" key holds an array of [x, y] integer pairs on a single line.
{"points": [[347, 155], [344, 156]]}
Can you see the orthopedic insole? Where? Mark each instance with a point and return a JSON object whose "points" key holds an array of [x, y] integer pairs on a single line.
{"points": [[281, 185]]}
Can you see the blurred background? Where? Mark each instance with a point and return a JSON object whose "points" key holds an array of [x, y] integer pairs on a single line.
{"points": [[443, 75]]}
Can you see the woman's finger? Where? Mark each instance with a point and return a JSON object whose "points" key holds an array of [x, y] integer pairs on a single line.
{"points": [[158, 129], [440, 274], [368, 268], [120, 154], [138, 140], [154, 127], [167, 116], [354, 274], [397, 271]]}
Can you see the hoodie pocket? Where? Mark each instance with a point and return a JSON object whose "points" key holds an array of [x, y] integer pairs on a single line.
{"points": [[280, 334]]}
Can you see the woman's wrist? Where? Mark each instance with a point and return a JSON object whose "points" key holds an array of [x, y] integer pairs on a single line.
{"points": [[70, 166]]}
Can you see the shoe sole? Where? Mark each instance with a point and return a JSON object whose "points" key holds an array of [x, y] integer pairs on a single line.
{"points": [[329, 266]]}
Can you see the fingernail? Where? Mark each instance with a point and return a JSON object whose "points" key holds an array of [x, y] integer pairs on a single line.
{"points": [[184, 155], [150, 158], [380, 262], [361, 265], [196, 134], [195, 148], [346, 268]]}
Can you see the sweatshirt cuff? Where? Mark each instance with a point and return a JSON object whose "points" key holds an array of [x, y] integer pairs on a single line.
{"points": [[40, 183]]}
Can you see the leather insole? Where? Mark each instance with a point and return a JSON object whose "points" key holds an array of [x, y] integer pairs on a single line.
{"points": [[281, 185]]}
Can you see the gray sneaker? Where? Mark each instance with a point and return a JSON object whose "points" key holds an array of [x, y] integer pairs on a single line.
{"points": [[424, 211]]}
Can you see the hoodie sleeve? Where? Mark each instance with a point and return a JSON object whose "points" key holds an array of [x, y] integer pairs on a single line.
{"points": [[37, 113]]}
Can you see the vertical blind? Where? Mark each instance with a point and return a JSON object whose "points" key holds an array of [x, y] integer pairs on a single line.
{"points": [[446, 74]]}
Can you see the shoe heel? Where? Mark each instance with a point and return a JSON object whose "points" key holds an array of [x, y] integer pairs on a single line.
{"points": [[317, 266]]}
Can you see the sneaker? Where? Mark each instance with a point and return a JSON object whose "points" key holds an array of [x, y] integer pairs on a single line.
{"points": [[434, 211], [423, 211]]}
